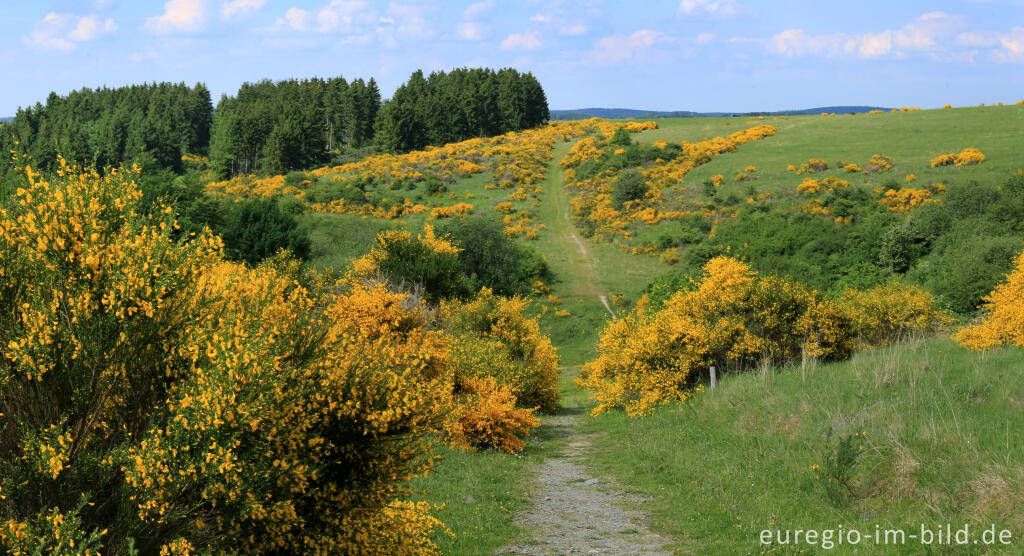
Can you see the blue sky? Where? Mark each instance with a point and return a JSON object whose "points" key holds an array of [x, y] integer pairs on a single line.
{"points": [[704, 55]]}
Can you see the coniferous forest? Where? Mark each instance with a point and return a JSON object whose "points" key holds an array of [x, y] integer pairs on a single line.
{"points": [[273, 127]]}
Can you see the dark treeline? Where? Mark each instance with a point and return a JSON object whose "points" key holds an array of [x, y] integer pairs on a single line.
{"points": [[273, 127], [465, 103], [151, 123]]}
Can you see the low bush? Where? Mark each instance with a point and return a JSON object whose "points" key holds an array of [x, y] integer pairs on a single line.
{"points": [[487, 417], [1002, 320], [493, 337], [732, 318], [892, 312], [629, 186], [426, 261], [492, 259], [256, 229]]}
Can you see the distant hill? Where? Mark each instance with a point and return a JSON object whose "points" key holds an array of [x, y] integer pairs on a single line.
{"points": [[583, 113], [7, 119]]}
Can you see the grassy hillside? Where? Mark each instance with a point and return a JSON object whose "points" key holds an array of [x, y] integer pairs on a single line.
{"points": [[911, 139], [935, 432], [926, 429], [952, 229]]}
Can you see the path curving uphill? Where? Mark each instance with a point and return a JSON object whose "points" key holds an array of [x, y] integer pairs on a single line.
{"points": [[571, 511], [556, 216]]}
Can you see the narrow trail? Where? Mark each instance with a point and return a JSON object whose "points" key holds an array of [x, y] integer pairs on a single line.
{"points": [[584, 272], [572, 511]]}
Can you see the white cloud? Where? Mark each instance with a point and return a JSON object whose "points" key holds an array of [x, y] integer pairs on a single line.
{"points": [[1004, 47], [572, 29], [179, 15], [618, 48], [294, 18], [522, 41], [403, 22], [63, 32], [1012, 46], [477, 9], [89, 27], [342, 16], [925, 31], [978, 38], [723, 8], [409, 21], [705, 38], [472, 31], [242, 8], [540, 18], [931, 32]]}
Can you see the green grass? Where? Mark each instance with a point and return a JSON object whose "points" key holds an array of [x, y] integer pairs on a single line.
{"points": [[943, 445], [338, 239], [911, 139], [581, 277]]}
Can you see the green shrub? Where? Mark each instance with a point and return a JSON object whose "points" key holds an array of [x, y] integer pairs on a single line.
{"points": [[629, 186], [424, 261], [621, 137], [258, 228], [492, 259]]}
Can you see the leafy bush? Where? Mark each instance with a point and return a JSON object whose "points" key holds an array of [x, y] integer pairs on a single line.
{"points": [[425, 261], [294, 179], [492, 259], [1003, 314], [258, 228], [902, 245], [803, 247], [157, 398], [892, 312], [488, 417], [732, 318], [493, 328], [621, 137], [629, 186]]}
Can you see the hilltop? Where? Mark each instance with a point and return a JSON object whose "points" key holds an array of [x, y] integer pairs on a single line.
{"points": [[615, 113]]}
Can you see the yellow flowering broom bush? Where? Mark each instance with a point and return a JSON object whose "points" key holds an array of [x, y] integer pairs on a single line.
{"points": [[891, 312], [963, 158], [427, 261], [492, 336], [488, 417], [152, 395], [1002, 320], [733, 318]]}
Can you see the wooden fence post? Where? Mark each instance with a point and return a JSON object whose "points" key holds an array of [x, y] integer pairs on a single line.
{"points": [[714, 378]]}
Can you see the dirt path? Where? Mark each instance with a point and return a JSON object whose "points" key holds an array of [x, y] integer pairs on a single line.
{"points": [[584, 275], [574, 512]]}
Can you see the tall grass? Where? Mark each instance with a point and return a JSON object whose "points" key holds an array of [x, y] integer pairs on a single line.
{"points": [[935, 430]]}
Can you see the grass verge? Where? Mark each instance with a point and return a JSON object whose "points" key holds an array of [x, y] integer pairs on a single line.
{"points": [[934, 438]]}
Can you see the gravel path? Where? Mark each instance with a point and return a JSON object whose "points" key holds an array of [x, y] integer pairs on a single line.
{"points": [[575, 513]]}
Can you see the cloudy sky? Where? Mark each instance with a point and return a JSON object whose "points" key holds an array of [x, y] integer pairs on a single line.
{"points": [[728, 55]]}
